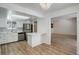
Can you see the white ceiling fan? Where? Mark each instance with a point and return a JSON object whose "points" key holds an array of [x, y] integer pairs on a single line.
{"points": [[45, 6]]}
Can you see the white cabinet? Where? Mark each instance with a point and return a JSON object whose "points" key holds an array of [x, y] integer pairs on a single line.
{"points": [[11, 37], [2, 38], [8, 37], [33, 39]]}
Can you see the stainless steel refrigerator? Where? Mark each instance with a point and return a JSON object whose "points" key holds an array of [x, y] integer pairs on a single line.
{"points": [[27, 28]]}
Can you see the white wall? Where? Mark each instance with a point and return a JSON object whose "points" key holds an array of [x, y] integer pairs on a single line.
{"points": [[65, 26], [43, 27]]}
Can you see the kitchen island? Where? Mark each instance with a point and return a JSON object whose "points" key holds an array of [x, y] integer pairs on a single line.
{"points": [[33, 39]]}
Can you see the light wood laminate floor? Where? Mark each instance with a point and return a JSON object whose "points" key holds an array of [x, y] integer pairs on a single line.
{"points": [[61, 45]]}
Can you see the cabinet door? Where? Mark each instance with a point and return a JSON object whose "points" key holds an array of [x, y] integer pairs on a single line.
{"points": [[14, 37], [2, 38], [11, 37], [8, 37]]}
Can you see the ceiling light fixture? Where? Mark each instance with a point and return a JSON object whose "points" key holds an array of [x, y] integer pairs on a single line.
{"points": [[45, 6]]}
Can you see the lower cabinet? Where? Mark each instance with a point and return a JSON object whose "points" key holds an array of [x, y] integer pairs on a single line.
{"points": [[8, 37], [2, 38], [11, 37]]}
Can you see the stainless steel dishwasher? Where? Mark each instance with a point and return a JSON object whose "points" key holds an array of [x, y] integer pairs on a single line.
{"points": [[22, 36]]}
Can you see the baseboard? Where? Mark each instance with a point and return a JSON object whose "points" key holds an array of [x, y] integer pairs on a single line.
{"points": [[64, 34]]}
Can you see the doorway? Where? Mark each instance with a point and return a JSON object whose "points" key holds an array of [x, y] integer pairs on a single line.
{"points": [[64, 34]]}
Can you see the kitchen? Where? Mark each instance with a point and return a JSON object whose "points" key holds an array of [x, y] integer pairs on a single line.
{"points": [[17, 26]]}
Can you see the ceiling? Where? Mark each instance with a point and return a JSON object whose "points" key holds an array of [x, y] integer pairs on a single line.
{"points": [[54, 7], [68, 16]]}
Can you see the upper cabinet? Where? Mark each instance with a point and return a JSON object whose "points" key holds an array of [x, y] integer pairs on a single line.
{"points": [[3, 16], [3, 13]]}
